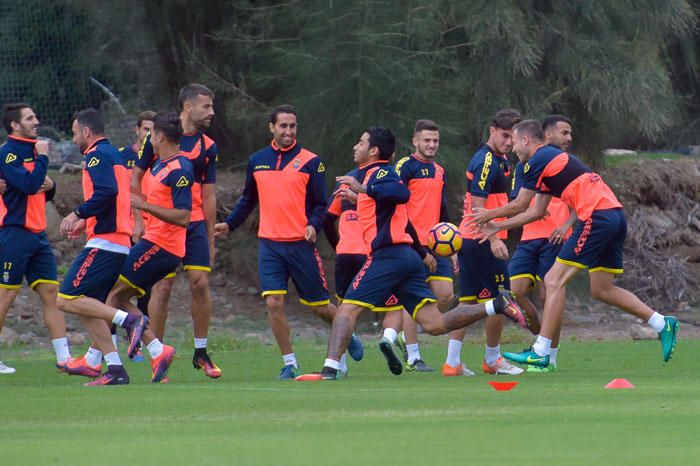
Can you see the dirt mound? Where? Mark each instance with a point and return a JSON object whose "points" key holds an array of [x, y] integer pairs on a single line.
{"points": [[662, 252]]}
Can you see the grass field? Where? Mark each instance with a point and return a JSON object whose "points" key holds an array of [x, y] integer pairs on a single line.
{"points": [[249, 418]]}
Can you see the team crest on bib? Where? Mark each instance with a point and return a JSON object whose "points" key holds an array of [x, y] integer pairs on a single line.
{"points": [[10, 158], [93, 162], [296, 163], [182, 182]]}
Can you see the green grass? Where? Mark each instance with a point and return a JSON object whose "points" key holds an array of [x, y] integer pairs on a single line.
{"points": [[248, 417], [616, 160]]}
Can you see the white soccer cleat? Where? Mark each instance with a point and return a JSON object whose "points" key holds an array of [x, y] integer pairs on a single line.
{"points": [[454, 371], [501, 367], [6, 369]]}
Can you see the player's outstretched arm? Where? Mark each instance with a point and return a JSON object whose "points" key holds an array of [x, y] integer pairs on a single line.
{"points": [[536, 212], [559, 233], [518, 205], [179, 217]]}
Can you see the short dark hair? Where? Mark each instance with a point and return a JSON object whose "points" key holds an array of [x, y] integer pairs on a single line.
{"points": [[146, 115], [284, 108], [383, 139], [168, 123], [531, 128], [90, 118], [190, 92], [552, 120], [425, 125], [12, 113], [506, 118]]}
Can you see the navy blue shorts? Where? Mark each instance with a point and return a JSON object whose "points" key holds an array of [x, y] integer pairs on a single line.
{"points": [[197, 247], [443, 272], [532, 259], [93, 274], [346, 267], [597, 244], [25, 254], [480, 273], [278, 260], [146, 265], [396, 270]]}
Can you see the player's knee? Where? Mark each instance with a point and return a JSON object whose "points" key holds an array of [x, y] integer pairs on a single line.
{"points": [[163, 287], [198, 282], [434, 325], [520, 287], [553, 282], [600, 292], [445, 299], [63, 304], [275, 303]]}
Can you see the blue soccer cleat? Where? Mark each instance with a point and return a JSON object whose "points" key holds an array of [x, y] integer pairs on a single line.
{"points": [[288, 372], [355, 348], [528, 357], [668, 336]]}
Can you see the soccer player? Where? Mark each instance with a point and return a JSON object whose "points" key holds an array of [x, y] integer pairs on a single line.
{"points": [[484, 267], [196, 114], [24, 247], [167, 186], [393, 266], [427, 206], [347, 241], [105, 217], [596, 243], [289, 183], [144, 126], [541, 240]]}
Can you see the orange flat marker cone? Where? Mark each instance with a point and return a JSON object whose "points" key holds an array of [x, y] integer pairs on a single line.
{"points": [[502, 386], [620, 383], [309, 377]]}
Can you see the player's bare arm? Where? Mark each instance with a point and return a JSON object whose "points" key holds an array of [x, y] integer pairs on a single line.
{"points": [[209, 207], [179, 217], [559, 233], [480, 215], [536, 212], [351, 183]]}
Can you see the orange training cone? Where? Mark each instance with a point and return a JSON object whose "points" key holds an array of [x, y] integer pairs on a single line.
{"points": [[620, 383], [502, 386]]}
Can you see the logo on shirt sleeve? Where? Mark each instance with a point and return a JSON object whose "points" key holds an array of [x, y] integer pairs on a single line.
{"points": [[182, 182], [485, 170], [382, 173], [93, 162], [526, 167], [400, 165], [10, 158], [321, 168]]}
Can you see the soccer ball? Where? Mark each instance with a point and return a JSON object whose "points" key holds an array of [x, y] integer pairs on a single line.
{"points": [[444, 239]]}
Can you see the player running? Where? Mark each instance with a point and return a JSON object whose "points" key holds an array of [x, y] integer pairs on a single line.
{"points": [[393, 266], [167, 186], [541, 240], [196, 114], [596, 243], [484, 267], [144, 126], [105, 217], [289, 183], [427, 206], [24, 246]]}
